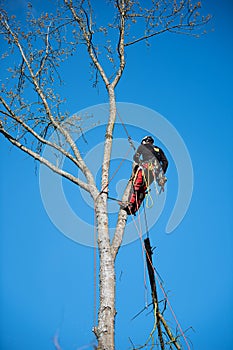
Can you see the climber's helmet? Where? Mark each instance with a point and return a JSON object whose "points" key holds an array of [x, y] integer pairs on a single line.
{"points": [[147, 139]]}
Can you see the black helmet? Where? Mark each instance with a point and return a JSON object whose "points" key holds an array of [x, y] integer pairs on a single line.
{"points": [[147, 139]]}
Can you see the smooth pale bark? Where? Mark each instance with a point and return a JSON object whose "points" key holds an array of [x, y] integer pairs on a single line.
{"points": [[108, 139], [106, 315], [105, 330]]}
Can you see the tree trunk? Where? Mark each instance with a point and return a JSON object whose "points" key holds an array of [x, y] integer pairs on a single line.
{"points": [[106, 316], [107, 312]]}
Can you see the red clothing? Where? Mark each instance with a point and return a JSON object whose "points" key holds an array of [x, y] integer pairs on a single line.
{"points": [[138, 193]]}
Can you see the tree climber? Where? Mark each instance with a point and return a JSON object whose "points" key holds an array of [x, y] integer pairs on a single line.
{"points": [[151, 165]]}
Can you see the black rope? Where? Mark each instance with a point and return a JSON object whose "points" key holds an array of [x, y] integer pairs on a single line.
{"points": [[117, 200], [114, 199]]}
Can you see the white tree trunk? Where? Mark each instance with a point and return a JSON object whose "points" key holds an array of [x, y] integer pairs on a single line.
{"points": [[106, 315], [107, 312]]}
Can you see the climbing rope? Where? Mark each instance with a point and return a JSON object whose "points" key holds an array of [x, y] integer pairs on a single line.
{"points": [[148, 192], [115, 172], [148, 197], [126, 131]]}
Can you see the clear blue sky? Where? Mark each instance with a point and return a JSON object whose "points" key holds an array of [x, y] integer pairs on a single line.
{"points": [[47, 279]]}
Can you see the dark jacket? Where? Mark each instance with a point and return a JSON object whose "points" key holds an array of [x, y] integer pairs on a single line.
{"points": [[148, 152]]}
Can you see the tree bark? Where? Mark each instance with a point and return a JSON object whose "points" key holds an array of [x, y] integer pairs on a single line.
{"points": [[106, 315], [105, 331]]}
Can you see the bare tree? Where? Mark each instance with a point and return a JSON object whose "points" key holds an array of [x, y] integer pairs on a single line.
{"points": [[31, 108]]}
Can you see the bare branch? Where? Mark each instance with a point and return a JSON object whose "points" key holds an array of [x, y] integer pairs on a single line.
{"points": [[176, 17], [145, 37], [169, 333], [44, 161], [32, 131], [87, 35], [121, 46], [42, 63]]}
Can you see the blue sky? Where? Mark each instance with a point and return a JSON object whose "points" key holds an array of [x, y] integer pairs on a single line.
{"points": [[47, 279]]}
